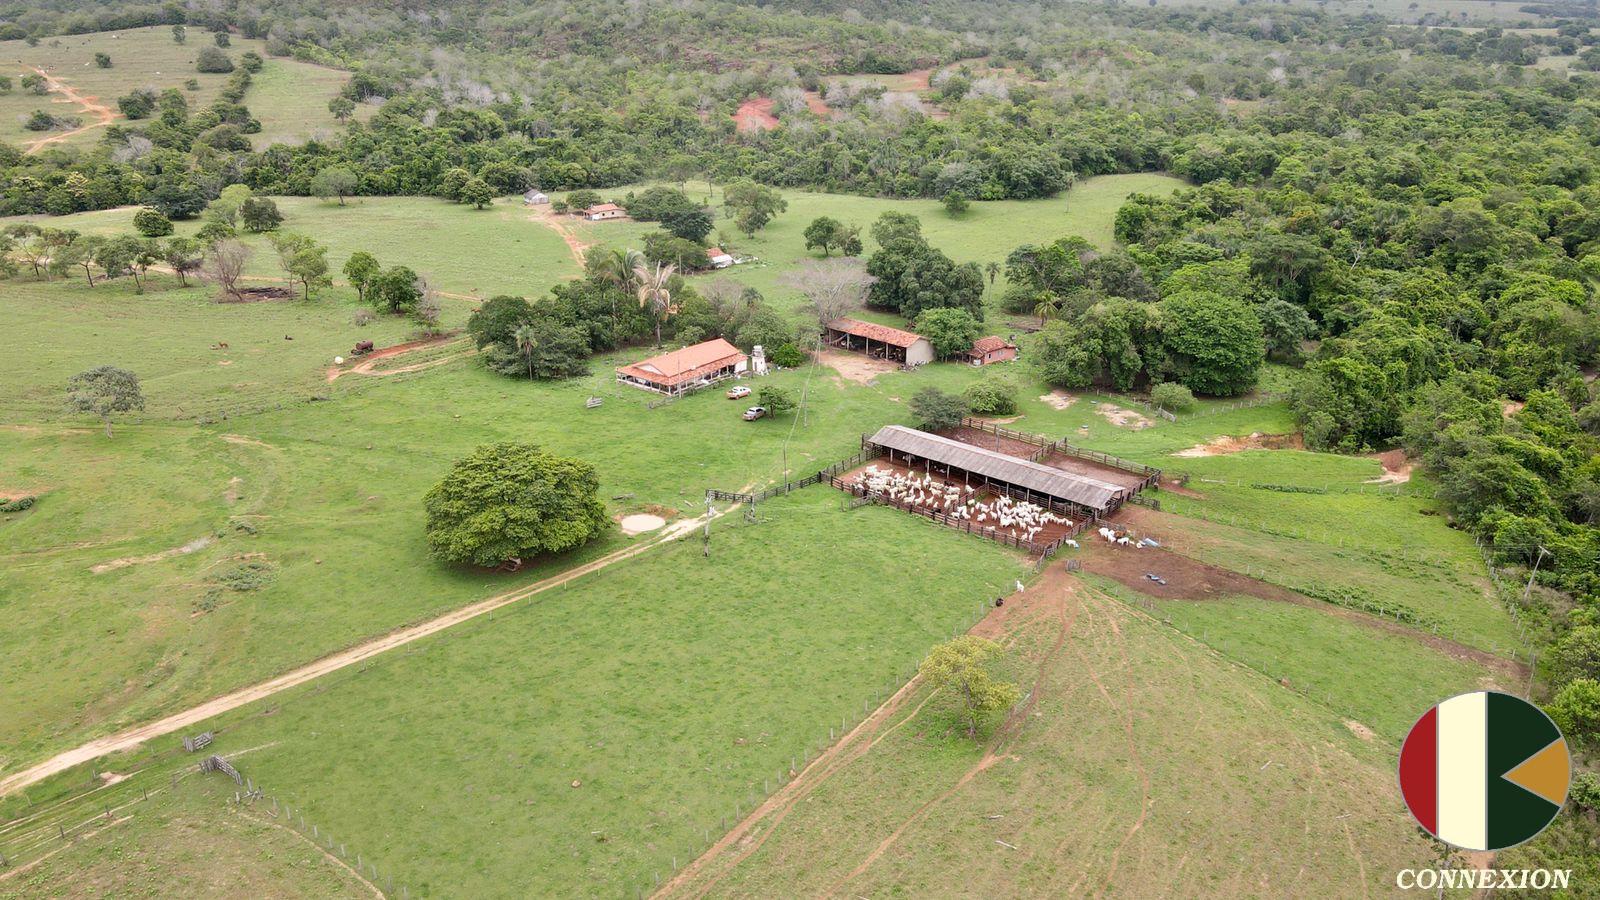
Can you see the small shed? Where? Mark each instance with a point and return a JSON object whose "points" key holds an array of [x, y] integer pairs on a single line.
{"points": [[879, 341], [535, 197], [992, 349], [602, 211], [719, 257]]}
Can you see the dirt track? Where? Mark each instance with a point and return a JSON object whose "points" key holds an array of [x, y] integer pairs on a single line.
{"points": [[130, 738], [368, 364], [544, 216], [104, 115]]}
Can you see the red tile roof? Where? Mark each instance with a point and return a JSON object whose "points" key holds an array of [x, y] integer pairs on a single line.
{"points": [[714, 252], [687, 364], [991, 344], [603, 207], [875, 332]]}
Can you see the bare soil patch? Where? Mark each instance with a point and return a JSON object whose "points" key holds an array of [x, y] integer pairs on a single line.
{"points": [[1358, 729], [1396, 468], [1224, 445], [260, 295], [855, 367], [755, 115], [1058, 399], [1124, 418], [817, 105], [1091, 469], [368, 365], [639, 523], [558, 224], [997, 443], [1509, 408]]}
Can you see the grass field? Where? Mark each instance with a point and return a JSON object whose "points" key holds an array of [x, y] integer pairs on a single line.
{"points": [[183, 834], [290, 98], [171, 337], [573, 744], [1140, 764], [987, 231]]}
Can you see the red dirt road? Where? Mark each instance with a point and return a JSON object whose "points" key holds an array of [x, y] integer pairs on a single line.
{"points": [[104, 115]]}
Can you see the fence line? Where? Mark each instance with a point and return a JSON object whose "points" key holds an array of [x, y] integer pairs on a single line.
{"points": [[842, 465], [253, 795]]}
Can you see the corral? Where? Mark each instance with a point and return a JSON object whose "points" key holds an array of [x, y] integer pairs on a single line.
{"points": [[989, 480]]}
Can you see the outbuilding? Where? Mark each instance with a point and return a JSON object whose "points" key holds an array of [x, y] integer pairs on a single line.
{"points": [[879, 341], [680, 371], [991, 349], [719, 257], [535, 197], [602, 211]]}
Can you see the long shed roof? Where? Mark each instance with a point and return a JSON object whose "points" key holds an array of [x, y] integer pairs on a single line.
{"points": [[1021, 473]]}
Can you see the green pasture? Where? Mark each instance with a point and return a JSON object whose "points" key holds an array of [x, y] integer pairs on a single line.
{"points": [[161, 833], [1376, 678], [1144, 760], [172, 338], [290, 98], [575, 743]]}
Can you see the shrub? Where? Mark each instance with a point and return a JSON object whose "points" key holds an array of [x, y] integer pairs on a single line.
{"points": [[214, 61], [151, 223], [1172, 397], [787, 356], [18, 504], [995, 395]]}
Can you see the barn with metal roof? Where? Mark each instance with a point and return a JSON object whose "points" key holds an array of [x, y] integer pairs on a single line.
{"points": [[1020, 478]]}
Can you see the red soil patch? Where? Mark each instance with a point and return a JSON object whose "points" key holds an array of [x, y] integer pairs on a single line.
{"points": [[817, 105], [755, 115], [1396, 468], [1222, 446], [365, 365]]}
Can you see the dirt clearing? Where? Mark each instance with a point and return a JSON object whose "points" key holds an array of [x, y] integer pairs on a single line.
{"points": [[1058, 399], [102, 113], [855, 367], [1396, 468], [368, 365], [1224, 445], [639, 523], [1123, 418], [755, 115]]}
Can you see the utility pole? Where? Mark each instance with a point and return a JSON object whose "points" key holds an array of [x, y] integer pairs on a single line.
{"points": [[1536, 560]]}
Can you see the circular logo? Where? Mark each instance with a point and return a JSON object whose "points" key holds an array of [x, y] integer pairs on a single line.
{"points": [[1485, 770]]}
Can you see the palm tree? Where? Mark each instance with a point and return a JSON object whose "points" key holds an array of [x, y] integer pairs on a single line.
{"points": [[654, 294], [1047, 305], [527, 338], [993, 268], [619, 268]]}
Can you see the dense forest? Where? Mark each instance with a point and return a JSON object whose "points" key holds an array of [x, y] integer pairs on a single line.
{"points": [[1407, 216]]}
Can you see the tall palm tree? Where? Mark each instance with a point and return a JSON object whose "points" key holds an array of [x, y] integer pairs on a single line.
{"points": [[527, 338], [1047, 305], [654, 295], [619, 268]]}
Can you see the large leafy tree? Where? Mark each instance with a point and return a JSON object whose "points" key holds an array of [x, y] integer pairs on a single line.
{"points": [[1213, 343], [103, 392], [512, 501]]}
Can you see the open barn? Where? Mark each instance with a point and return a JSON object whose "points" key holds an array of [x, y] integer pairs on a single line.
{"points": [[1001, 473]]}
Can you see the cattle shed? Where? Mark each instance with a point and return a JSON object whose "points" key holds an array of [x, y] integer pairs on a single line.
{"points": [[879, 341], [1018, 478]]}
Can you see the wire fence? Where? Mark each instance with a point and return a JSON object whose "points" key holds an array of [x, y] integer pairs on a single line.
{"points": [[1215, 409]]}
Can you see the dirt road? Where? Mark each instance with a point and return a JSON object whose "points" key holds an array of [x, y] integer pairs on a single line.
{"points": [[367, 365], [104, 115], [133, 737], [544, 216]]}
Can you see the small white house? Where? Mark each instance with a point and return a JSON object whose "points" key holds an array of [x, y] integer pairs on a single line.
{"points": [[535, 197], [719, 257], [602, 211]]}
